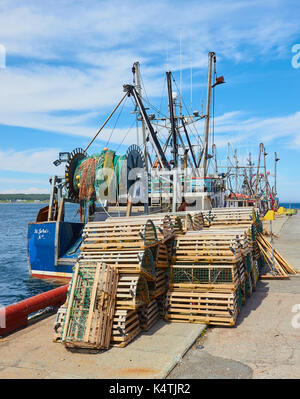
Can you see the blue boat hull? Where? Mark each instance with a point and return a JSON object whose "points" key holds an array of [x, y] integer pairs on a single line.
{"points": [[52, 248]]}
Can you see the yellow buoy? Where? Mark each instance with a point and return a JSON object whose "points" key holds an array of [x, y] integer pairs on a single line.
{"points": [[269, 215]]}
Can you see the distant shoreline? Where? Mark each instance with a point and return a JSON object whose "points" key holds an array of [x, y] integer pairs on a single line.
{"points": [[23, 202]]}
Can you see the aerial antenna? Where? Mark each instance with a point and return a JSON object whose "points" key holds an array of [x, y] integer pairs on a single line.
{"points": [[191, 79], [180, 73], [167, 66]]}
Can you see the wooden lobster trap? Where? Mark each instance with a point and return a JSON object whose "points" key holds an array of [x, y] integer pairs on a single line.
{"points": [[197, 248], [132, 291], [202, 307], [118, 236], [198, 221], [158, 287], [161, 256], [149, 315], [90, 306], [59, 320], [199, 278], [126, 261], [165, 228], [125, 327]]}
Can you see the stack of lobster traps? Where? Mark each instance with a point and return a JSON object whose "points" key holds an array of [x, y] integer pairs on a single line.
{"points": [[138, 251], [213, 269], [185, 267], [228, 217]]}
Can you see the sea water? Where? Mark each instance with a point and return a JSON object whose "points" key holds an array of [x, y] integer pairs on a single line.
{"points": [[15, 281], [292, 205]]}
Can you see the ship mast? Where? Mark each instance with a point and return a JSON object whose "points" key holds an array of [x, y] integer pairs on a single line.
{"points": [[211, 58], [172, 120], [136, 70]]}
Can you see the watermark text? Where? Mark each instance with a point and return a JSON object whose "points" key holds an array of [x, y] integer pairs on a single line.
{"points": [[296, 57]]}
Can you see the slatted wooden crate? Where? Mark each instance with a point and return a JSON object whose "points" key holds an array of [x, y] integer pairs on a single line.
{"points": [[248, 287], [206, 307], [126, 327], [248, 264], [132, 291], [59, 320], [189, 223], [162, 258], [242, 272], [199, 278], [206, 248], [164, 225], [129, 261], [241, 237], [198, 221], [158, 287], [255, 273], [90, 306], [229, 217], [177, 224], [149, 315], [170, 244], [182, 221], [117, 236]]}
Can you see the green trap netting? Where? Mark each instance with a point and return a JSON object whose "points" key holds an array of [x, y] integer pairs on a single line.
{"points": [[80, 305], [202, 275]]}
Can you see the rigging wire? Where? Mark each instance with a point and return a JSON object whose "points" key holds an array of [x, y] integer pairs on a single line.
{"points": [[126, 134], [117, 119], [193, 123], [163, 92], [146, 99]]}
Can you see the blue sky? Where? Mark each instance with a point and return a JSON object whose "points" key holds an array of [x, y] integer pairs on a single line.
{"points": [[66, 63]]}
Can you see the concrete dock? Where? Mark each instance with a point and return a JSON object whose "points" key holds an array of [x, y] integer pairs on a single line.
{"points": [[30, 353], [265, 343]]}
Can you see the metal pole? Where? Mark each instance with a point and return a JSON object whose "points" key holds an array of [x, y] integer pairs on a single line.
{"points": [[139, 90], [257, 173], [52, 197], [172, 120], [175, 177], [152, 134], [209, 79], [214, 147], [189, 143], [265, 173], [236, 171], [275, 171]]}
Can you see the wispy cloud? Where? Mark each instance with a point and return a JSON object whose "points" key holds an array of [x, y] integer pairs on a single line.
{"points": [[30, 190], [31, 161], [74, 57], [66, 65]]}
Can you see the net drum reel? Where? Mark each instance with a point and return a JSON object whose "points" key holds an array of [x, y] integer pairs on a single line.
{"points": [[75, 157], [105, 177]]}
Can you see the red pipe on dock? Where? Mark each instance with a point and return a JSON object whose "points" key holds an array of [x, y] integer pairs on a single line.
{"points": [[15, 316]]}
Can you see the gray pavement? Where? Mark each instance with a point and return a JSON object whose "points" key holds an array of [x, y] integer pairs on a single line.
{"points": [[265, 343], [30, 353]]}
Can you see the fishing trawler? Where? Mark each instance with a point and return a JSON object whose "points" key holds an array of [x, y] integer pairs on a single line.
{"points": [[170, 176]]}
